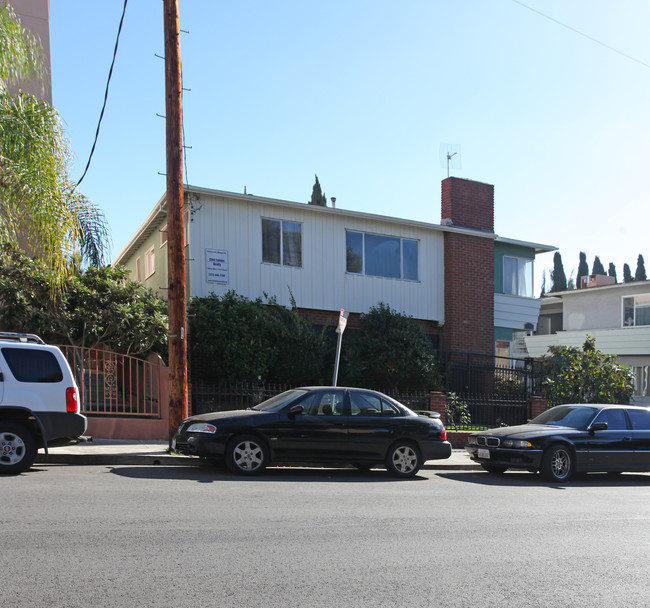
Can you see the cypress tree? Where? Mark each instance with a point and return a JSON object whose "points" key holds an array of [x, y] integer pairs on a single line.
{"points": [[317, 195], [583, 268], [558, 277], [627, 274], [598, 267], [612, 272], [640, 274]]}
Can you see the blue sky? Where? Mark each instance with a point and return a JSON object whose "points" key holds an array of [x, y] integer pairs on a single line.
{"points": [[363, 93]]}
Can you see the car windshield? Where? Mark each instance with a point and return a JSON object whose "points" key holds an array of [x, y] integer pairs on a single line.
{"points": [[576, 417], [279, 400]]}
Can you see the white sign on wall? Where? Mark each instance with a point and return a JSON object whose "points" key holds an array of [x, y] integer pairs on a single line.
{"points": [[216, 266]]}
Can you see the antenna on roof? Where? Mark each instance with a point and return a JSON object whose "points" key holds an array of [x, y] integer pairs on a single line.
{"points": [[450, 156]]}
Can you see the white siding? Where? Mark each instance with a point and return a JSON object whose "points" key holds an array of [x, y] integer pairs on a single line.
{"points": [[624, 341], [514, 311], [322, 283]]}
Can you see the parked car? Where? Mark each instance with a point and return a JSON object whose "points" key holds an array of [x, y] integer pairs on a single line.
{"points": [[568, 439], [320, 425], [39, 400]]}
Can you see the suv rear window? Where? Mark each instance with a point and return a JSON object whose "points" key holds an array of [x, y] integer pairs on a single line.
{"points": [[32, 365]]}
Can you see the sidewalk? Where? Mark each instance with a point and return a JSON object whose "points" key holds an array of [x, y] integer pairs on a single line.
{"points": [[129, 452]]}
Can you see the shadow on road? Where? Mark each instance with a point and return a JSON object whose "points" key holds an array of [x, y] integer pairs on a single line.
{"points": [[585, 480], [272, 474]]}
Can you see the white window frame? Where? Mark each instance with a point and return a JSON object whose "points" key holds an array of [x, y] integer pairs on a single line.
{"points": [[530, 276], [149, 262], [634, 318], [282, 262], [401, 255], [163, 235]]}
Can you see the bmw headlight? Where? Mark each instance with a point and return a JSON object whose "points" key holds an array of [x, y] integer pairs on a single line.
{"points": [[471, 440], [516, 443], [201, 427]]}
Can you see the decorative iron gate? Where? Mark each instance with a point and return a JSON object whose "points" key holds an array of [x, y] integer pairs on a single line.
{"points": [[112, 384], [497, 390]]}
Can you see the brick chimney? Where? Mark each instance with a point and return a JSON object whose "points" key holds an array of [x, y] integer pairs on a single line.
{"points": [[469, 266], [468, 204]]}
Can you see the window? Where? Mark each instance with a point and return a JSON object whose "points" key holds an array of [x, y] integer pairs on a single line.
{"points": [[367, 404], [381, 256], [32, 365], [163, 235], [640, 419], [636, 310], [323, 403], [518, 276], [149, 262], [282, 242], [615, 419]]}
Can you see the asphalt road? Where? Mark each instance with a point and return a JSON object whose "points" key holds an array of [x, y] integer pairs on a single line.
{"points": [[187, 536]]}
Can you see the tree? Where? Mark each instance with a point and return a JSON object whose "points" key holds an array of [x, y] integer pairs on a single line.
{"points": [[317, 195], [585, 375], [558, 278], [37, 198], [640, 274], [598, 267], [390, 352], [627, 274], [233, 339], [99, 306], [543, 290], [612, 271], [583, 269]]}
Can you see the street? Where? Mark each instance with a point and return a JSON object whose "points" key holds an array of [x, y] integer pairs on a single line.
{"points": [[143, 536]]}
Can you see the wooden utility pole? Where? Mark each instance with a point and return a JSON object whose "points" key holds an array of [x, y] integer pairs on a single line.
{"points": [[175, 223]]}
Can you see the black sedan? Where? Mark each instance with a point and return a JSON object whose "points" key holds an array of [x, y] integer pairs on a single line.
{"points": [[568, 439], [320, 425]]}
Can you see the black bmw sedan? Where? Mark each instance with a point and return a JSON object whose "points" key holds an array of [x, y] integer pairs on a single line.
{"points": [[320, 425], [568, 439]]}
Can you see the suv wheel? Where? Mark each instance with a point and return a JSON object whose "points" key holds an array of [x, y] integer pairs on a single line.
{"points": [[17, 448]]}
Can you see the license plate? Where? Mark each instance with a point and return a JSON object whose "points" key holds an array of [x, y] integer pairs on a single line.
{"points": [[484, 454]]}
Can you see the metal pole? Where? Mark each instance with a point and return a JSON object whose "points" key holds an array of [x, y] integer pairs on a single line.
{"points": [[336, 363], [175, 225]]}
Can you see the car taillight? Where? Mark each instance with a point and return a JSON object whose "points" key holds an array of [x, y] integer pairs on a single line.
{"points": [[443, 434], [71, 403]]}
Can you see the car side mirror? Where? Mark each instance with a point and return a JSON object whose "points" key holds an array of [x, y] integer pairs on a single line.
{"points": [[295, 410], [598, 426]]}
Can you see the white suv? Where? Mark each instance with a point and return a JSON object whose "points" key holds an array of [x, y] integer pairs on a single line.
{"points": [[39, 400]]}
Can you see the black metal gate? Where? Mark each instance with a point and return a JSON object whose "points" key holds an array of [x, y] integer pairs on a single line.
{"points": [[496, 390]]}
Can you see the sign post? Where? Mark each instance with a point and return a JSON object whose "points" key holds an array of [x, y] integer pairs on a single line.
{"points": [[343, 319]]}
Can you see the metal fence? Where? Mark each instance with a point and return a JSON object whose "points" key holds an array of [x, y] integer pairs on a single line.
{"points": [[112, 384], [493, 391]]}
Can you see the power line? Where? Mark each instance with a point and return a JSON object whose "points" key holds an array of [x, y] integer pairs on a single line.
{"points": [[101, 115], [587, 36]]}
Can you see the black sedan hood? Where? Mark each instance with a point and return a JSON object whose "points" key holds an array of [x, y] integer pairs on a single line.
{"points": [[227, 415], [528, 430]]}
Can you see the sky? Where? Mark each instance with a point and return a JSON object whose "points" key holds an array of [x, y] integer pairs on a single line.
{"points": [[553, 109]]}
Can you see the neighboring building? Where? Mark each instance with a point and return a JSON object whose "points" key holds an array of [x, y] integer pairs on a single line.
{"points": [[34, 16], [461, 281], [617, 316]]}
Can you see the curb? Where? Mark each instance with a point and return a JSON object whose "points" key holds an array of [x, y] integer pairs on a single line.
{"points": [[187, 461]]}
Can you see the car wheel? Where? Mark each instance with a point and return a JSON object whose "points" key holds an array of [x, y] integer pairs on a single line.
{"points": [[403, 459], [17, 448], [494, 469], [246, 455], [557, 463]]}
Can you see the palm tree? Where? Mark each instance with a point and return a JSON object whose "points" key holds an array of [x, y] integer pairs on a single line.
{"points": [[39, 207]]}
